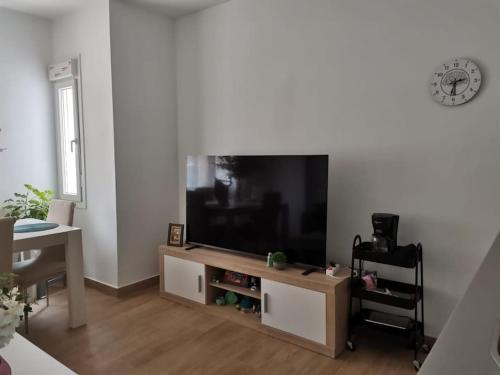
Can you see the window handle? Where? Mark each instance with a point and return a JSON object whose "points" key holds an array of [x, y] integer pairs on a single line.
{"points": [[74, 141]]}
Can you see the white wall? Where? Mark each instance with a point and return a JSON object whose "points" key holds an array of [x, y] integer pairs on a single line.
{"points": [[349, 78], [143, 66], [87, 32], [25, 104]]}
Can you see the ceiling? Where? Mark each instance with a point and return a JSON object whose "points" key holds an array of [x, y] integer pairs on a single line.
{"points": [[176, 8], [55, 8], [43, 8]]}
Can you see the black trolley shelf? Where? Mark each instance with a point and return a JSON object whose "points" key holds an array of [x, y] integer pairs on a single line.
{"points": [[402, 295]]}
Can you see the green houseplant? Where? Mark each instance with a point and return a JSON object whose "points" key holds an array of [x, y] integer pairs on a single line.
{"points": [[34, 203], [279, 260]]}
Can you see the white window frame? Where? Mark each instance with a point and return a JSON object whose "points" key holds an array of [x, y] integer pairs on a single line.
{"points": [[77, 144]]}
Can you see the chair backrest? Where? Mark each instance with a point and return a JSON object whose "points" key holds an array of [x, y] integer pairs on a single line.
{"points": [[6, 243], [61, 212]]}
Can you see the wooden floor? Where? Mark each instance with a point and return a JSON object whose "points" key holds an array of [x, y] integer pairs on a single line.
{"points": [[145, 334]]}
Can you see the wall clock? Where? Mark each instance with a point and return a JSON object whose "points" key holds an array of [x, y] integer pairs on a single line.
{"points": [[455, 82]]}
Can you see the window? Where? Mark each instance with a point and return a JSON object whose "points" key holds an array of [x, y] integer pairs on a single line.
{"points": [[69, 145]]}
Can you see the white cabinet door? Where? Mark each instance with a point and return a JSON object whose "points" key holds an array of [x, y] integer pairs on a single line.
{"points": [[184, 278], [295, 310]]}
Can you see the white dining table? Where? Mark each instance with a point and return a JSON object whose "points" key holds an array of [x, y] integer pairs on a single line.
{"points": [[24, 358], [71, 238]]}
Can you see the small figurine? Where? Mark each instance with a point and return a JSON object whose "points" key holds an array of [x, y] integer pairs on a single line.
{"points": [[269, 262], [332, 269]]}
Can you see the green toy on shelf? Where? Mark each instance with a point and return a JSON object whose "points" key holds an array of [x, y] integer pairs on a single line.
{"points": [[230, 298]]}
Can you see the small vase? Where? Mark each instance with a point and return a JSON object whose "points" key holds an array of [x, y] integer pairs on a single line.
{"points": [[279, 266], [4, 367]]}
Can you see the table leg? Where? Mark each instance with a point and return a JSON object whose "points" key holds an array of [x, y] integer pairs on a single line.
{"points": [[75, 283]]}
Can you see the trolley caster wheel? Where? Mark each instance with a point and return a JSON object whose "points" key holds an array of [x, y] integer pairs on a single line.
{"points": [[351, 346], [416, 364], [426, 348]]}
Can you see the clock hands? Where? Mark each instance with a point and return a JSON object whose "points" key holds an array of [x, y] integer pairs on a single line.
{"points": [[454, 88], [453, 91], [455, 82]]}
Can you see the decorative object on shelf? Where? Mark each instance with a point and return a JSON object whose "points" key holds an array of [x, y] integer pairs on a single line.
{"points": [[332, 269], [385, 232], [455, 82], [370, 280], [175, 235], [220, 301], [236, 278], [269, 262], [254, 284], [230, 298], [337, 271], [33, 204], [279, 260], [11, 308], [246, 305]]}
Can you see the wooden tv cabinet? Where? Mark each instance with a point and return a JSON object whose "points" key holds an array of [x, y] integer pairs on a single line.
{"points": [[310, 311]]}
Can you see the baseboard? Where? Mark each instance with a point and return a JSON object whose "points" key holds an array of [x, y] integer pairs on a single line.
{"points": [[124, 290], [105, 288], [142, 284], [429, 340]]}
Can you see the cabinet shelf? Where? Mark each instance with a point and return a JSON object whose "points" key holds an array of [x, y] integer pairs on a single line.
{"points": [[236, 289], [404, 295], [229, 312], [391, 323], [403, 256]]}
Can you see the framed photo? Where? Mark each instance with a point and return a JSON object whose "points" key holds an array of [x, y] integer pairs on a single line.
{"points": [[175, 235]]}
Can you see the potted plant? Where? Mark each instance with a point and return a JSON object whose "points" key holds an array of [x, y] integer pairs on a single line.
{"points": [[279, 260], [32, 204], [11, 309]]}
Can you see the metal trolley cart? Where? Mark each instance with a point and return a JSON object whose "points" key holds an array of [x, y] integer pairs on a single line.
{"points": [[389, 292]]}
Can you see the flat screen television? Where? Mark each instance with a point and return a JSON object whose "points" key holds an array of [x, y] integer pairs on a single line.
{"points": [[259, 204]]}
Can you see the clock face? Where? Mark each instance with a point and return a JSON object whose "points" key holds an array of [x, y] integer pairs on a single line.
{"points": [[455, 82]]}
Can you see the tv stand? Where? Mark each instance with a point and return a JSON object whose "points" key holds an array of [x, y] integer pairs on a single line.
{"points": [[311, 312], [309, 271], [192, 247]]}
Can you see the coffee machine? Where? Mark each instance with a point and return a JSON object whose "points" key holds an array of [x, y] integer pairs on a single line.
{"points": [[385, 232]]}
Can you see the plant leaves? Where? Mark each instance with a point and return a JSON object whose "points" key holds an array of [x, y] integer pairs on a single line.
{"points": [[34, 206]]}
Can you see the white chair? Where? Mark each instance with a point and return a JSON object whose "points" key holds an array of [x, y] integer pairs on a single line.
{"points": [[51, 261]]}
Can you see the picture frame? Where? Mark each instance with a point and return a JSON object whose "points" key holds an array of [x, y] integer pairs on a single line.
{"points": [[175, 235]]}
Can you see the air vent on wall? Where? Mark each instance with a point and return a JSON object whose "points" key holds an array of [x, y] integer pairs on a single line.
{"points": [[66, 69]]}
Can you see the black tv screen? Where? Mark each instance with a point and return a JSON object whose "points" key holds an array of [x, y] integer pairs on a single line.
{"points": [[259, 204]]}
